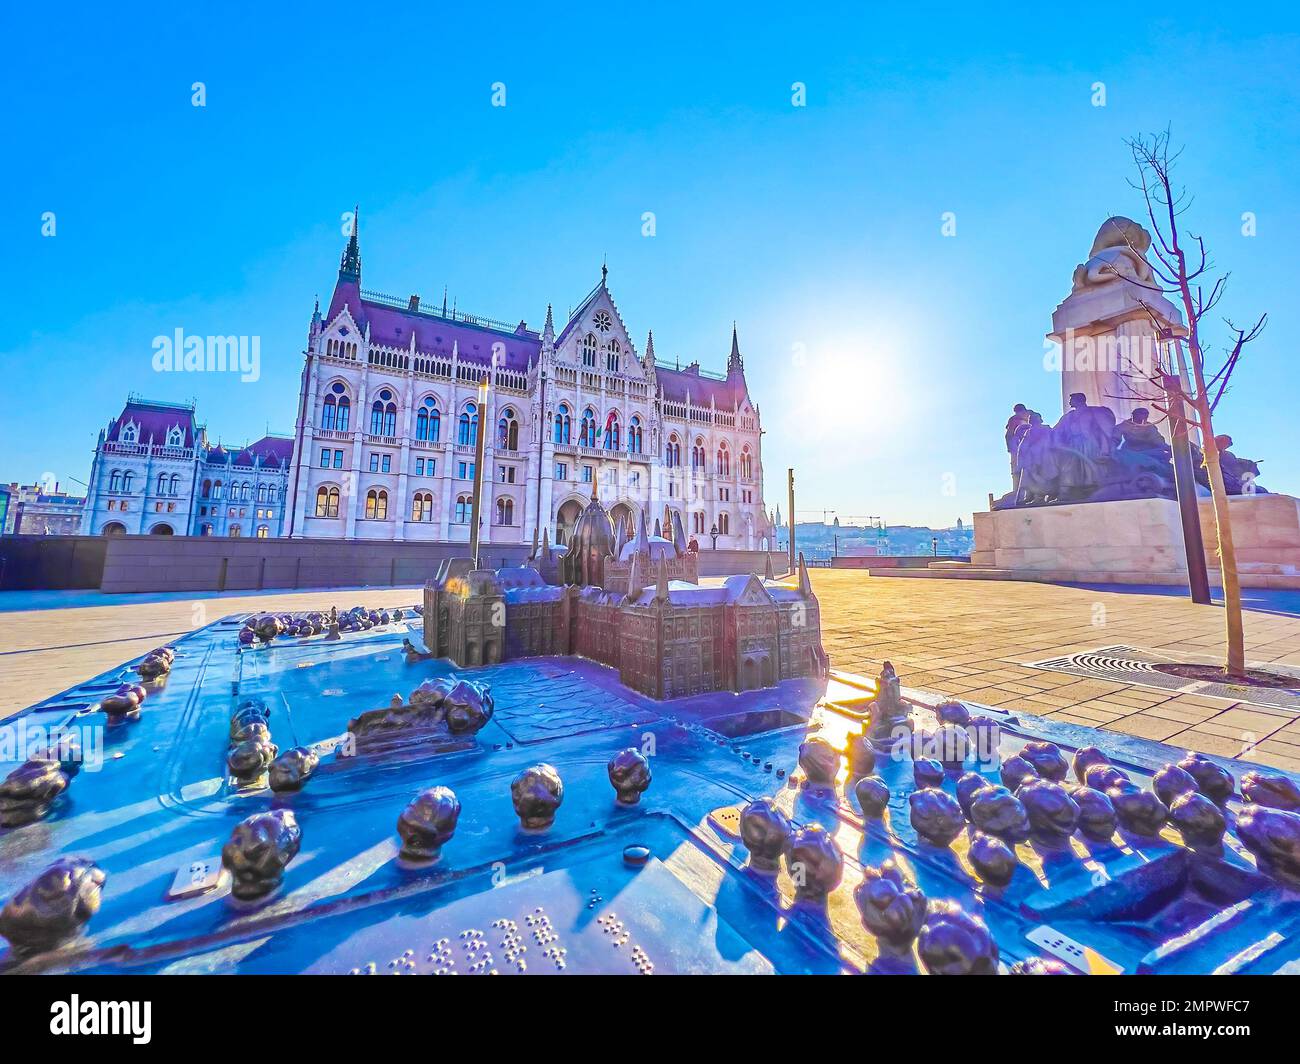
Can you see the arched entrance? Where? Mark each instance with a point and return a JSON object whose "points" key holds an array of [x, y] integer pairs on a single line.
{"points": [[161, 529], [623, 515], [565, 519], [113, 528]]}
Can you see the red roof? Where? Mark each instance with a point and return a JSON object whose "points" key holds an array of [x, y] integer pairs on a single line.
{"points": [[434, 334], [154, 420]]}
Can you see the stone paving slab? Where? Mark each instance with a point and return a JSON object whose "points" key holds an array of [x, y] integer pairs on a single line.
{"points": [[972, 640], [956, 638]]}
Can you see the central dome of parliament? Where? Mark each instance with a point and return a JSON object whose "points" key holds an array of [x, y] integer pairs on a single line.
{"points": [[592, 543]]}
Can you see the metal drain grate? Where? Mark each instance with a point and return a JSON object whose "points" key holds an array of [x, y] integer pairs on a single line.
{"points": [[1125, 664]]}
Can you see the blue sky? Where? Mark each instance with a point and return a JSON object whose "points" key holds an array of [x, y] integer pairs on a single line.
{"points": [[884, 355]]}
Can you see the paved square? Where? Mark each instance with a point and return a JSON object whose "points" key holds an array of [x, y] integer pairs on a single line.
{"points": [[971, 638], [967, 639]]}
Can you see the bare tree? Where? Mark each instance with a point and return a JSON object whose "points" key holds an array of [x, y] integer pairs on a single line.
{"points": [[1182, 270]]}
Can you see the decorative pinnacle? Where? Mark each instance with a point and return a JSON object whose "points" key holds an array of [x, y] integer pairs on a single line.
{"points": [[351, 262]]}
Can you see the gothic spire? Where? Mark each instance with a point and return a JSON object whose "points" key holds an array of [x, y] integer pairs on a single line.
{"points": [[548, 330], [805, 585], [661, 581], [679, 534], [734, 361], [643, 537], [350, 265], [650, 347], [634, 579]]}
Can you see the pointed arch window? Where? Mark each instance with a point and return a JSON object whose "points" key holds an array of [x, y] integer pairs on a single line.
{"points": [[724, 524], [634, 435], [327, 502], [746, 464], [376, 505], [673, 452], [562, 424], [589, 346], [697, 455], [724, 460], [505, 511], [127, 478], [428, 422], [115, 480], [464, 508], [613, 433], [383, 415], [422, 506], [588, 436], [508, 430], [612, 356], [467, 426]]}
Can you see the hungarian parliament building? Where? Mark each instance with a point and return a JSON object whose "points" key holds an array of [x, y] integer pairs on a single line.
{"points": [[392, 398]]}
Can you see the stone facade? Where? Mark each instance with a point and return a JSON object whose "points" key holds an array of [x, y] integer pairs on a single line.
{"points": [[389, 414], [154, 472]]}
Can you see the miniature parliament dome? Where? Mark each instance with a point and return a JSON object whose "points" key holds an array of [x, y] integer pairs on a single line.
{"points": [[592, 543]]}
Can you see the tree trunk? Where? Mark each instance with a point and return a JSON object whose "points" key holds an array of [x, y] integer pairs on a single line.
{"points": [[1235, 645], [1236, 639]]}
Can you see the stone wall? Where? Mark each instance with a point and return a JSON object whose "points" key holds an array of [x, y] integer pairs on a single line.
{"points": [[891, 561], [57, 563], [727, 562], [123, 564], [213, 563]]}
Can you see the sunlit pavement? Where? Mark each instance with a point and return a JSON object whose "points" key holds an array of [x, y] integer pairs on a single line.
{"points": [[971, 638], [968, 639]]}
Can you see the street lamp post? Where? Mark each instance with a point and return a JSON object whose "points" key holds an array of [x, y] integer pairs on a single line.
{"points": [[714, 533], [541, 451], [477, 500]]}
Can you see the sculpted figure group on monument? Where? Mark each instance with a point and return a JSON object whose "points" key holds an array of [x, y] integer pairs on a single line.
{"points": [[1088, 457]]}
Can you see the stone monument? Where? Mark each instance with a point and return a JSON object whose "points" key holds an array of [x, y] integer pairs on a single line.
{"points": [[1107, 325], [1093, 496]]}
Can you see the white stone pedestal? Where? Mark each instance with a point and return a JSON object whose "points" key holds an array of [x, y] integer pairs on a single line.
{"points": [[1137, 541]]}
